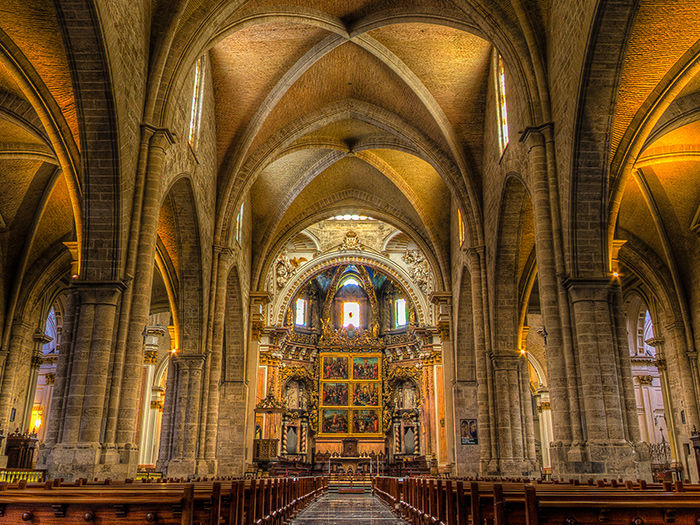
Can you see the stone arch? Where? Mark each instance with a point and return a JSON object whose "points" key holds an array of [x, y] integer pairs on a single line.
{"points": [[363, 202], [646, 274], [515, 212], [643, 124], [465, 359], [178, 52], [100, 163], [234, 330], [588, 187], [513, 406], [190, 283], [409, 140], [52, 123], [317, 265]]}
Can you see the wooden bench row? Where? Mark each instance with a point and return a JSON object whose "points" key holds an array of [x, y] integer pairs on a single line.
{"points": [[271, 501], [448, 502]]}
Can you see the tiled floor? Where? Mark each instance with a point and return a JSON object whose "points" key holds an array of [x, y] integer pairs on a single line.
{"points": [[341, 509]]}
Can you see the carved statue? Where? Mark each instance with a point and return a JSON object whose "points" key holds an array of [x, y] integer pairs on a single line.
{"points": [[409, 395], [417, 268], [292, 395], [283, 270]]}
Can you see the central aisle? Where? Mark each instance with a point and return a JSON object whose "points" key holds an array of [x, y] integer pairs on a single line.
{"points": [[338, 509]]}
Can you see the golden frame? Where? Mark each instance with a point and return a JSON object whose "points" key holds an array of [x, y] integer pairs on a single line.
{"points": [[351, 382]]}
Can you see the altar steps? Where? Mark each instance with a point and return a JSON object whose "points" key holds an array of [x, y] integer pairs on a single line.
{"points": [[350, 488]]}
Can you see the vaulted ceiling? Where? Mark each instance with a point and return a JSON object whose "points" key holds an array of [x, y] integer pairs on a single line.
{"points": [[320, 119]]}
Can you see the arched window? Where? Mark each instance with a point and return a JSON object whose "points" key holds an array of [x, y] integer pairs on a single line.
{"points": [[460, 227], [399, 313], [351, 314], [239, 223], [348, 281], [196, 110], [300, 313], [501, 98]]}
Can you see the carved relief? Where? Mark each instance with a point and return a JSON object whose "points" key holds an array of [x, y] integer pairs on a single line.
{"points": [[417, 268]]}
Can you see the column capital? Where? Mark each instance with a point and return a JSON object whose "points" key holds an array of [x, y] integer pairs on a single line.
{"points": [[41, 338], [506, 361], [655, 341], [537, 135], [98, 292], [190, 361], [595, 289], [158, 137], [150, 357], [443, 302]]}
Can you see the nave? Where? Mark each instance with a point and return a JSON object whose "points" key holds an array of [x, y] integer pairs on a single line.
{"points": [[253, 248], [347, 509]]}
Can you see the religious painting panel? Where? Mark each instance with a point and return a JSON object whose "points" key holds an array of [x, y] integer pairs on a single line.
{"points": [[334, 421], [366, 421], [364, 368], [366, 394], [469, 432], [335, 367], [335, 394]]}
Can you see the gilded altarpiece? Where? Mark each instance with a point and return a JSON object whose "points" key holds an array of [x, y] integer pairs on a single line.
{"points": [[350, 387]]}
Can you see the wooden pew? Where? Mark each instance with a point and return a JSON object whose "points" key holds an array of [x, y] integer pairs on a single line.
{"points": [[236, 502], [447, 502]]}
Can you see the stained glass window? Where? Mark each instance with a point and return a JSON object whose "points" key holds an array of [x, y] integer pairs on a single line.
{"points": [[196, 110], [239, 223], [502, 108]]}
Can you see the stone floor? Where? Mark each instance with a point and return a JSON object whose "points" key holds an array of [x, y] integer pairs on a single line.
{"points": [[341, 509]]}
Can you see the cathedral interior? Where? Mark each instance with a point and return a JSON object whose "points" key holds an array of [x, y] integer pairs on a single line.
{"points": [[447, 238]]}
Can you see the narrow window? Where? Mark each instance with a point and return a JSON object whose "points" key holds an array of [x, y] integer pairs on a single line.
{"points": [[300, 313], [460, 227], [400, 313], [239, 223], [502, 108], [351, 314], [196, 111]]}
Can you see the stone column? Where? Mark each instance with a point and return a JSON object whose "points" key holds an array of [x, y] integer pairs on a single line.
{"points": [[222, 265], [152, 336], [545, 412], [258, 310], [78, 451], [512, 421], [444, 380], [609, 408], [182, 461], [40, 339], [562, 368], [646, 426], [63, 366], [484, 384], [19, 338], [165, 450], [122, 417], [673, 419]]}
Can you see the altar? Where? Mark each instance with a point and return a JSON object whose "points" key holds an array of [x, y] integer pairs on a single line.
{"points": [[343, 383]]}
